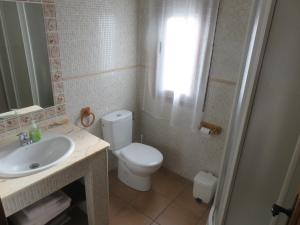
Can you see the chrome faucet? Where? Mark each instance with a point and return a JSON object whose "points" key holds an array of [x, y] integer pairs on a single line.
{"points": [[24, 139]]}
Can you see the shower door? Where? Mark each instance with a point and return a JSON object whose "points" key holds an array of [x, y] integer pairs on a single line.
{"points": [[268, 169]]}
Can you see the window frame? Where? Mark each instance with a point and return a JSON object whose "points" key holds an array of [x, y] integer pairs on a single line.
{"points": [[168, 95]]}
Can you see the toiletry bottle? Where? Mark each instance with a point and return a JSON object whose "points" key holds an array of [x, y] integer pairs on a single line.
{"points": [[35, 133]]}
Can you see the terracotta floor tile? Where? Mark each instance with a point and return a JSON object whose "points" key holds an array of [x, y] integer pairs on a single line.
{"points": [[150, 203], [168, 184], [187, 200], [129, 216], [203, 220], [177, 215], [116, 204], [123, 191], [166, 187]]}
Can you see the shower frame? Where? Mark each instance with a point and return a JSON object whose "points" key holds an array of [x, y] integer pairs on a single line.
{"points": [[258, 32]]}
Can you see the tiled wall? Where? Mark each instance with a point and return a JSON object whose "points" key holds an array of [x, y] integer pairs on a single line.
{"points": [[100, 67], [186, 152], [96, 36], [98, 50], [92, 51]]}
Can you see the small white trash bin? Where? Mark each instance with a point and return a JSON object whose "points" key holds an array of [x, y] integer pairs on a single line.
{"points": [[205, 185]]}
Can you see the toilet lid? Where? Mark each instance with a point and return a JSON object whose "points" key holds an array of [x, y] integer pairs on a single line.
{"points": [[142, 155]]}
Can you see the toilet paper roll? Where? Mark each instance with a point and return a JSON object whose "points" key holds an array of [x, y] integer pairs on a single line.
{"points": [[205, 131]]}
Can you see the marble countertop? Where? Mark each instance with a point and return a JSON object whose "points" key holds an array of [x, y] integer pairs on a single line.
{"points": [[86, 145]]}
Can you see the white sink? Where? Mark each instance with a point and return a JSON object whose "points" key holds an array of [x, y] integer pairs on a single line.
{"points": [[16, 161]]}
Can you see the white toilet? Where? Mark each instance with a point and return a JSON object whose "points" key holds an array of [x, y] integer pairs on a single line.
{"points": [[136, 162]]}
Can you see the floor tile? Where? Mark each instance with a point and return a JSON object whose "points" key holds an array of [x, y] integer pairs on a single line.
{"points": [[170, 202], [187, 200], [168, 184], [116, 204], [129, 216], [203, 220], [123, 191], [177, 215], [150, 204]]}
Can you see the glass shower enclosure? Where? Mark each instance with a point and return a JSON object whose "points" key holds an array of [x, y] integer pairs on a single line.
{"points": [[261, 162]]}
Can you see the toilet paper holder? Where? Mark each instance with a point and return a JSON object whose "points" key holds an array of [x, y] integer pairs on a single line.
{"points": [[215, 129]]}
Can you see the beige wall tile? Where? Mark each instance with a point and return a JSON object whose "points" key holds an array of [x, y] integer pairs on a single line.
{"points": [[96, 35], [230, 39], [98, 51]]}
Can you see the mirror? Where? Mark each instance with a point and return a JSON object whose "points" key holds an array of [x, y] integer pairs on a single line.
{"points": [[25, 78]]}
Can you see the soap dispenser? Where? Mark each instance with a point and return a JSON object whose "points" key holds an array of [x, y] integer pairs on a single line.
{"points": [[35, 132]]}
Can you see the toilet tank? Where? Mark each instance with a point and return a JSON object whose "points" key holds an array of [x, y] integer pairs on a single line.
{"points": [[117, 129]]}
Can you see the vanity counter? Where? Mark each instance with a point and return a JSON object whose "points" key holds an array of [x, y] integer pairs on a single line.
{"points": [[88, 161]]}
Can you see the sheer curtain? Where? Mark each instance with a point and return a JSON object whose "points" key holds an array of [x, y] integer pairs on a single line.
{"points": [[177, 54]]}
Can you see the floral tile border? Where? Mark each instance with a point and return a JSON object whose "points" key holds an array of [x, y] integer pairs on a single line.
{"points": [[16, 123], [49, 10], [25, 120], [31, 1], [2, 127]]}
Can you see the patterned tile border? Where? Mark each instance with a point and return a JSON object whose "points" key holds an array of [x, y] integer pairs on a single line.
{"points": [[2, 127], [16, 123], [31, 1]]}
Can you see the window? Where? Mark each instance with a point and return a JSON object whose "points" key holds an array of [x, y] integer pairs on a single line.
{"points": [[179, 55]]}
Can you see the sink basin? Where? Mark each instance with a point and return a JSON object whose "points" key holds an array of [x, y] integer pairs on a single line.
{"points": [[16, 161]]}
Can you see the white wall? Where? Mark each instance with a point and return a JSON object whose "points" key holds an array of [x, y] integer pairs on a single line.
{"points": [[98, 53]]}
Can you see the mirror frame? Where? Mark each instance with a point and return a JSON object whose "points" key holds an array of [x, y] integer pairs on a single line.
{"points": [[16, 123]]}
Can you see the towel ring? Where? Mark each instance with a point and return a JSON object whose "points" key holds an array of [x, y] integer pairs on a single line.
{"points": [[86, 113]]}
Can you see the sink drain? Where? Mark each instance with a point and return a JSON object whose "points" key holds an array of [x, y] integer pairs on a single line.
{"points": [[34, 166]]}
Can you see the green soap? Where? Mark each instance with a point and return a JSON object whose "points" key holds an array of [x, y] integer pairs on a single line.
{"points": [[35, 135]]}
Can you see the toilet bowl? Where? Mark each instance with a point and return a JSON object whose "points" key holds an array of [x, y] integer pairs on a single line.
{"points": [[136, 162]]}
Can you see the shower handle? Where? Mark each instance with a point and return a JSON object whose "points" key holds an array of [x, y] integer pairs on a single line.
{"points": [[276, 210]]}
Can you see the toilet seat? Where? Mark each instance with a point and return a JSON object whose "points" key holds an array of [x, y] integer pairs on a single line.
{"points": [[141, 155]]}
